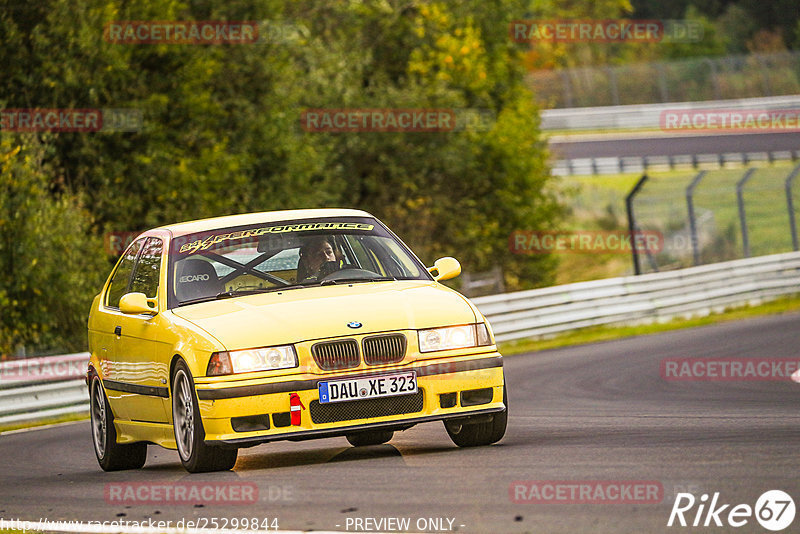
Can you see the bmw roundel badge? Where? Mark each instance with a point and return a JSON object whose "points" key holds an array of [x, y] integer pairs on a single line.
{"points": [[354, 324]]}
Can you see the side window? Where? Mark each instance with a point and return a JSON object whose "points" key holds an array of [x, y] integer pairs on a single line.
{"points": [[145, 276], [119, 283]]}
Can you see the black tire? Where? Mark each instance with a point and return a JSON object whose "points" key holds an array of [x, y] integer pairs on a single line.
{"points": [[195, 455], [374, 437], [111, 456], [466, 434]]}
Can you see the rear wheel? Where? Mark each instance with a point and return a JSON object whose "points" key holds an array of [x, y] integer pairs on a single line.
{"points": [[196, 456], [375, 437], [111, 456], [475, 434]]}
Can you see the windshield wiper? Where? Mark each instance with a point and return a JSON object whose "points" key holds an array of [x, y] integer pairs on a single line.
{"points": [[196, 301], [239, 292], [242, 292], [335, 281]]}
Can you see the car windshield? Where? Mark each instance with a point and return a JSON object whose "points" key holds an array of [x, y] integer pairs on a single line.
{"points": [[288, 255]]}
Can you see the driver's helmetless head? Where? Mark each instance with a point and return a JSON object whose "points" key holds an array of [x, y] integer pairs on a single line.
{"points": [[316, 252]]}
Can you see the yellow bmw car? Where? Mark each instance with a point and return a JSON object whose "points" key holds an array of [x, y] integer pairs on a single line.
{"points": [[213, 335]]}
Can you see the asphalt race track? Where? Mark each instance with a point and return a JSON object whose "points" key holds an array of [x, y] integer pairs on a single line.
{"points": [[598, 412], [673, 145]]}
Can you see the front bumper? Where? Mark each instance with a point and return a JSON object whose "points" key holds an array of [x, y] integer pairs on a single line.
{"points": [[260, 411]]}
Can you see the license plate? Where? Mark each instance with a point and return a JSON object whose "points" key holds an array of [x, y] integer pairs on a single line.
{"points": [[368, 388]]}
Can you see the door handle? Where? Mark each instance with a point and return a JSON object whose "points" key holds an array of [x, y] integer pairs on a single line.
{"points": [[118, 330]]}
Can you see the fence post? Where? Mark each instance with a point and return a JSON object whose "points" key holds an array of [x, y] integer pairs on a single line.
{"points": [[637, 269], [790, 205], [690, 209], [742, 217]]}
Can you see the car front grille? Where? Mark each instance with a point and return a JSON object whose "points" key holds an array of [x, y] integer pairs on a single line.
{"points": [[364, 409], [333, 355], [389, 348]]}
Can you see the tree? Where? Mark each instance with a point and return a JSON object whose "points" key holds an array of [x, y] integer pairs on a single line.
{"points": [[456, 193], [221, 129], [49, 261]]}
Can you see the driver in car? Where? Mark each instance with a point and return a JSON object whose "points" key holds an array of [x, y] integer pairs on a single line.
{"points": [[317, 259]]}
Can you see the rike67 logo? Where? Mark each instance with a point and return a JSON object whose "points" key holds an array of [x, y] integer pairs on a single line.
{"points": [[774, 510]]}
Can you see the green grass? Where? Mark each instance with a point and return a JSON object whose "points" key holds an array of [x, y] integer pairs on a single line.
{"points": [[608, 333], [598, 202], [594, 193], [613, 131], [44, 422]]}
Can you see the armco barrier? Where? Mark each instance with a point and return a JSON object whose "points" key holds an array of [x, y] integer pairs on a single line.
{"points": [[45, 387], [648, 115], [41, 388], [637, 299], [641, 164]]}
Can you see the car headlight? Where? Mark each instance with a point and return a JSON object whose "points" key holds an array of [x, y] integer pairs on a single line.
{"points": [[454, 337], [249, 360]]}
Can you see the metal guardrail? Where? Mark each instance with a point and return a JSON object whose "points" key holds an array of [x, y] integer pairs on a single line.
{"points": [[40, 388], [653, 297], [649, 115], [641, 164]]}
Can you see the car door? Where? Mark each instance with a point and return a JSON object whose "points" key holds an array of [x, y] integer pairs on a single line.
{"points": [[105, 320], [140, 360]]}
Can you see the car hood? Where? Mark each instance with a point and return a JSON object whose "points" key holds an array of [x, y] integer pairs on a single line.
{"points": [[312, 313]]}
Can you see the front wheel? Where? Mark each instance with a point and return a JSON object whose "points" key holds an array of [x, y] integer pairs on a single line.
{"points": [[111, 456], [467, 434], [196, 456]]}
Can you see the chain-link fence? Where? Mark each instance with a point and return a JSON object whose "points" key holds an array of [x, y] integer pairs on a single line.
{"points": [[716, 215], [689, 80]]}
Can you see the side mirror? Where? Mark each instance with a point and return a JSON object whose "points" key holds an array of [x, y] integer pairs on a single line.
{"points": [[136, 303], [445, 269]]}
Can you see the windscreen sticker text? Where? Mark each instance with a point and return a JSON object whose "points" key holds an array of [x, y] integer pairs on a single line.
{"points": [[254, 232]]}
